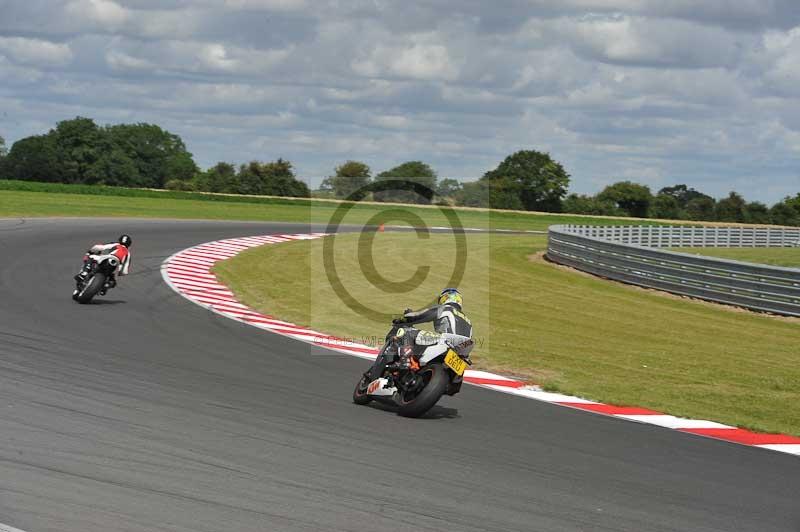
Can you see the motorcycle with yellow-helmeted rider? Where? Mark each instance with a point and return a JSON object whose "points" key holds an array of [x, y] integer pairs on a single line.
{"points": [[415, 367]]}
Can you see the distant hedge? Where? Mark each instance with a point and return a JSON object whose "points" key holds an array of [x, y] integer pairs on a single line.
{"points": [[103, 190]]}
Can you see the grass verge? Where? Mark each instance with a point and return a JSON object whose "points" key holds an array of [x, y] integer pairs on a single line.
{"points": [[28, 199], [566, 331], [788, 257]]}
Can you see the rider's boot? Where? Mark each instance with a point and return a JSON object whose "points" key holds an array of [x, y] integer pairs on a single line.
{"points": [[83, 274]]}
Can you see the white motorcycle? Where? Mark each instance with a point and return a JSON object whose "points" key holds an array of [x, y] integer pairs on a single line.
{"points": [[414, 369]]}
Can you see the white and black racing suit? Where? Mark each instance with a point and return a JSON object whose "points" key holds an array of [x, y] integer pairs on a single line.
{"points": [[450, 325], [446, 319]]}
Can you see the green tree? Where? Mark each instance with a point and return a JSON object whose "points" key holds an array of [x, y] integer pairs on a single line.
{"points": [[682, 194], [219, 178], [666, 206], [114, 168], [80, 143], [407, 175], [159, 155], [793, 202], [3, 152], [349, 180], [701, 208], [448, 188], [756, 213], [271, 179], [251, 179], [783, 213], [730, 209], [538, 181], [87, 153], [632, 198], [33, 158], [505, 194], [180, 166], [582, 204], [473, 194]]}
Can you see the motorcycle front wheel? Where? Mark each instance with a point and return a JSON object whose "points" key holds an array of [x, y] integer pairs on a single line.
{"points": [[91, 288], [415, 404], [360, 396]]}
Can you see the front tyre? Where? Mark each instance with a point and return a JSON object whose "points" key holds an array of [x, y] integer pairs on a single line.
{"points": [[91, 288], [360, 396], [436, 379]]}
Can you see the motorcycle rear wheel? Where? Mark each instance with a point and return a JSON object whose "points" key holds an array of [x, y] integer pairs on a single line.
{"points": [[91, 288], [437, 380]]}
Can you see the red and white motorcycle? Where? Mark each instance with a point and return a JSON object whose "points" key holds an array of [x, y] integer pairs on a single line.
{"points": [[97, 277]]}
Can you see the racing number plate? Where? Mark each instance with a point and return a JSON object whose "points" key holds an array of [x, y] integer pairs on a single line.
{"points": [[455, 362]]}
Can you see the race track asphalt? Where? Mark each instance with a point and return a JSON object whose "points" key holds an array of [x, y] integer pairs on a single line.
{"points": [[147, 412]]}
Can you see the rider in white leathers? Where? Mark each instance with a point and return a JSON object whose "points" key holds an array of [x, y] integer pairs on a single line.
{"points": [[120, 249]]}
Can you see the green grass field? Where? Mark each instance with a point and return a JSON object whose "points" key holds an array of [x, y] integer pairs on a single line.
{"points": [[28, 199], [564, 330], [788, 257]]}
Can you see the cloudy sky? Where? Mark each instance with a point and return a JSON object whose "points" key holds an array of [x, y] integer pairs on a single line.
{"points": [[703, 92]]}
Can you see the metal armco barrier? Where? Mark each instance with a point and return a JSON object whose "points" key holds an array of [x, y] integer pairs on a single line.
{"points": [[630, 254]]}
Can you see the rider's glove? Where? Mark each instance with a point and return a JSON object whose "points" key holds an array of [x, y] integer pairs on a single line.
{"points": [[398, 321], [406, 311]]}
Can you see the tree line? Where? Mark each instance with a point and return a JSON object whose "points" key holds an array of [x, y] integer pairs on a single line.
{"points": [[533, 181], [78, 151], [144, 155]]}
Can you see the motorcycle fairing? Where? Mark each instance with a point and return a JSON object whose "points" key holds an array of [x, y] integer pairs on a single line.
{"points": [[377, 387]]}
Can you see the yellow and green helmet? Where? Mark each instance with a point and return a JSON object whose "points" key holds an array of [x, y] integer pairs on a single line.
{"points": [[450, 296]]}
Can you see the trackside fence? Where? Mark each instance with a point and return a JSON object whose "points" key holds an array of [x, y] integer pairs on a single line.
{"points": [[631, 254]]}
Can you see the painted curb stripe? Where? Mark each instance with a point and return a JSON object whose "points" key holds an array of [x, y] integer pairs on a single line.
{"points": [[188, 272], [493, 382], [672, 422], [611, 410], [745, 436], [791, 449]]}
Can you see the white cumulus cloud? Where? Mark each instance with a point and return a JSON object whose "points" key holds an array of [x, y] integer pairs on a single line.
{"points": [[106, 13], [35, 51], [415, 60]]}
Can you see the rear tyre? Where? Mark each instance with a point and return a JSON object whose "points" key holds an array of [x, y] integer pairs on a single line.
{"points": [[436, 383], [91, 288], [360, 396]]}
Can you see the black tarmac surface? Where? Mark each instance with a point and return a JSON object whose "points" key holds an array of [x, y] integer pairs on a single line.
{"points": [[145, 412]]}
